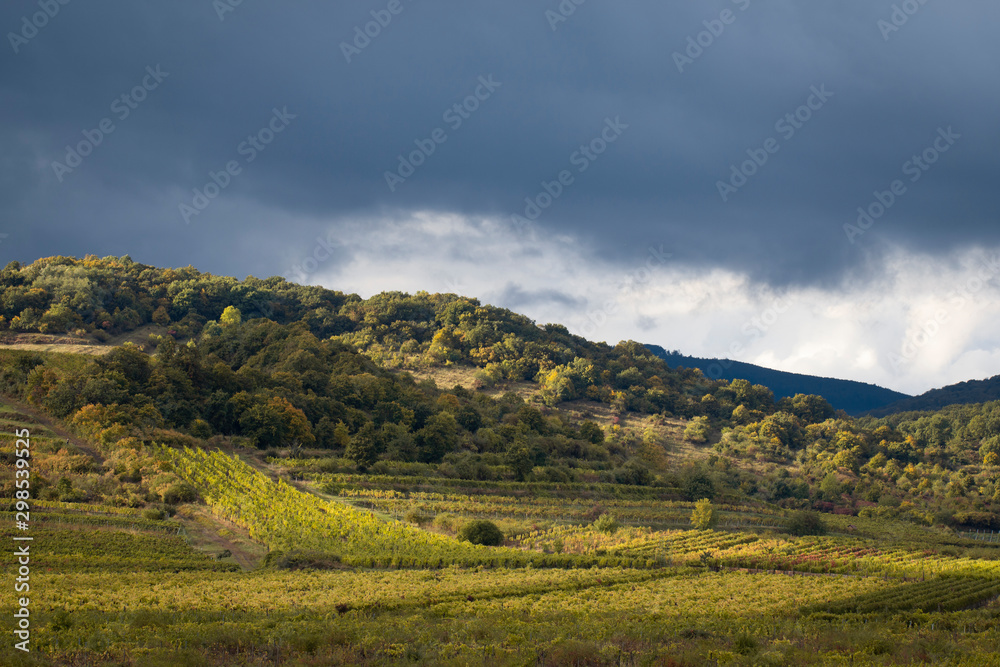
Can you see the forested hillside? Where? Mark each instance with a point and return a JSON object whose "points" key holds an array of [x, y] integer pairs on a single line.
{"points": [[276, 366], [971, 391], [854, 398]]}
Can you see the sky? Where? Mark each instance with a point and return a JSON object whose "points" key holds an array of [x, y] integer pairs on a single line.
{"points": [[807, 186]]}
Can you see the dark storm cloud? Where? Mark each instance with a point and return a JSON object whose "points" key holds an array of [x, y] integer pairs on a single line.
{"points": [[530, 96]]}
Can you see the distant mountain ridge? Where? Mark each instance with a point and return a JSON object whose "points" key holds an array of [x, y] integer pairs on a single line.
{"points": [[852, 397], [970, 391]]}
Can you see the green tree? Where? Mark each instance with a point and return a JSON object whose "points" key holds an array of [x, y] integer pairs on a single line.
{"points": [[804, 522], [703, 516], [438, 437], [810, 409], [520, 460], [364, 446], [830, 487], [591, 432], [231, 316], [697, 484]]}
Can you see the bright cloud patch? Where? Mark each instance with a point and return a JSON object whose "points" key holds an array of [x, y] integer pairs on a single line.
{"points": [[921, 322]]}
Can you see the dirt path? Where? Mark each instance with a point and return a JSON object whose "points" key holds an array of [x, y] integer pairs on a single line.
{"points": [[203, 527], [55, 427]]}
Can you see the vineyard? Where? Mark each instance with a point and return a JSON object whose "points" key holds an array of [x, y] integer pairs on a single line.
{"points": [[541, 503], [114, 584], [286, 519]]}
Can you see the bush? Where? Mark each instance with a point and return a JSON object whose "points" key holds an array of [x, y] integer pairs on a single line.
{"points": [[445, 522], [179, 492], [481, 532], [606, 523], [806, 523], [201, 429], [302, 560], [482, 380], [153, 514], [415, 516], [697, 431]]}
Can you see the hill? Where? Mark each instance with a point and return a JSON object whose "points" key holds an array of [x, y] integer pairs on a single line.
{"points": [[285, 369], [972, 391], [229, 472], [852, 397]]}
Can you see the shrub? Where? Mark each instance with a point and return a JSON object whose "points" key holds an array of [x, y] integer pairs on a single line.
{"points": [[153, 514], [415, 516], [806, 523], [482, 380], [179, 492], [302, 560], [697, 431], [482, 532], [606, 523], [445, 522], [201, 429]]}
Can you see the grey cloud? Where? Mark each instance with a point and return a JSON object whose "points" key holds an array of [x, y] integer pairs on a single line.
{"points": [[657, 184]]}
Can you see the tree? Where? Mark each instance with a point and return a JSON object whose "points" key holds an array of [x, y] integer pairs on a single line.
{"points": [[697, 484], [231, 316], [806, 523], [482, 532], [445, 346], [830, 487], [519, 459], [272, 423], [438, 437], [128, 360], [810, 409], [703, 517], [364, 446], [591, 432], [161, 316]]}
